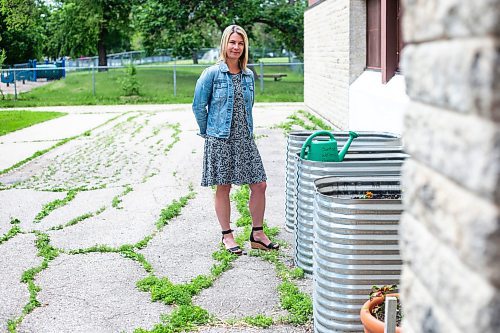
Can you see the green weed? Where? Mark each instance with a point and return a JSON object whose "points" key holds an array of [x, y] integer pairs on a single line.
{"points": [[11, 233], [298, 304], [259, 321], [183, 319], [173, 210], [115, 203], [53, 205]]}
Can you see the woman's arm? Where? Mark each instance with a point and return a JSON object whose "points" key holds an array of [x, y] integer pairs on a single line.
{"points": [[202, 95]]}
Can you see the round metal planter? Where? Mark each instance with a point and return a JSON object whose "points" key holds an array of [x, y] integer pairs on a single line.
{"points": [[355, 247], [294, 144], [377, 162]]}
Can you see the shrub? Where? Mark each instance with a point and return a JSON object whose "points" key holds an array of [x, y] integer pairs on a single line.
{"points": [[130, 84]]}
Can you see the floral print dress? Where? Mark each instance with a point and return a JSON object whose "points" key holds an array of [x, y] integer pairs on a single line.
{"points": [[235, 160]]}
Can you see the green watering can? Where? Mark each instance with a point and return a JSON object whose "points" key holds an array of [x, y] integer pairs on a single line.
{"points": [[325, 151]]}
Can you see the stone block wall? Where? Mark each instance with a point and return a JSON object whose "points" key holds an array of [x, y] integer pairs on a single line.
{"points": [[450, 231], [326, 60]]}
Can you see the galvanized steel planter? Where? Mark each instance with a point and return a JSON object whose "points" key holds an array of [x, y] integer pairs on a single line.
{"points": [[378, 162], [355, 247], [294, 144]]}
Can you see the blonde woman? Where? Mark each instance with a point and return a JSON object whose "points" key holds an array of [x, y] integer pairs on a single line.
{"points": [[222, 105]]}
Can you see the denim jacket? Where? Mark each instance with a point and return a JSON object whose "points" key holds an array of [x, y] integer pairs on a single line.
{"points": [[214, 99]]}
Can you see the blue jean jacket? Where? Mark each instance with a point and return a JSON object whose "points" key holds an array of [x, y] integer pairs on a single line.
{"points": [[214, 99]]}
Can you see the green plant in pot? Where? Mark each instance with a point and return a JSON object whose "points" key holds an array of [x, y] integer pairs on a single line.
{"points": [[373, 311]]}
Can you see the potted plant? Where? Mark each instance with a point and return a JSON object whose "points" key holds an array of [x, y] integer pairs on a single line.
{"points": [[373, 311]]}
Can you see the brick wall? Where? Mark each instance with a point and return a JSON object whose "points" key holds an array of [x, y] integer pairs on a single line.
{"points": [[450, 231], [326, 60]]}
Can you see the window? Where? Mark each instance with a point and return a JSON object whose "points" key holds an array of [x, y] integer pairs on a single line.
{"points": [[383, 36]]}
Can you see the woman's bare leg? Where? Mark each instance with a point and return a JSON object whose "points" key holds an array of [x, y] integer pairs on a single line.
{"points": [[257, 206], [223, 211]]}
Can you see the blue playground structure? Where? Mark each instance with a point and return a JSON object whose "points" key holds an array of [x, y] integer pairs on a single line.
{"points": [[31, 71]]}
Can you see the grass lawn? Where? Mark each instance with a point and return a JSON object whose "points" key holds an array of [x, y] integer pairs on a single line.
{"points": [[156, 86], [11, 121]]}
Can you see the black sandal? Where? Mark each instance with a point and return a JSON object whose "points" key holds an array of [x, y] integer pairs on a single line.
{"points": [[234, 250], [255, 244]]}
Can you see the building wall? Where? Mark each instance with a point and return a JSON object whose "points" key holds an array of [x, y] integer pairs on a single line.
{"points": [[336, 84], [450, 231], [326, 60]]}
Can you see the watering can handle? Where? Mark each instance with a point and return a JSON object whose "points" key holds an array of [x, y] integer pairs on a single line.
{"points": [[307, 143]]}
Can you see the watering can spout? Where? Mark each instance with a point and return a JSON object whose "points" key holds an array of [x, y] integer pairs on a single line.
{"points": [[352, 136]]}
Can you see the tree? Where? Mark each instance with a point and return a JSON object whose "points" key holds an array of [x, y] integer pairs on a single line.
{"points": [[188, 25], [170, 24], [82, 27], [20, 30], [71, 31]]}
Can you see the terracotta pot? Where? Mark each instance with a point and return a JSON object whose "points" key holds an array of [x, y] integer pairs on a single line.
{"points": [[370, 323]]}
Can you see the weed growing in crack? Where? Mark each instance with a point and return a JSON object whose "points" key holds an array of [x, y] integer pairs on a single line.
{"points": [[11, 233], [183, 319], [163, 290], [48, 253], [115, 203], [36, 154], [53, 205], [296, 119], [259, 321], [298, 304], [177, 130], [79, 219], [320, 124], [173, 210], [241, 197], [127, 251]]}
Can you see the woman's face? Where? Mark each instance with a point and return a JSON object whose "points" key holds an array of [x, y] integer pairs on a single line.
{"points": [[235, 46]]}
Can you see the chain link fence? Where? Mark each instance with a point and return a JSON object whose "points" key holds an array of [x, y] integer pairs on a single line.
{"points": [[174, 78]]}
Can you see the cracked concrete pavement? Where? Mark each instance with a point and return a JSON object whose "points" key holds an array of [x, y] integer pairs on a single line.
{"points": [[132, 162]]}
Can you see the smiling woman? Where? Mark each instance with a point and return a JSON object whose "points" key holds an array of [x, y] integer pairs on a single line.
{"points": [[11, 121], [223, 101]]}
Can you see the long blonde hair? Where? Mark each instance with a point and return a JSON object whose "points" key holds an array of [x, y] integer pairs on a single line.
{"points": [[225, 40]]}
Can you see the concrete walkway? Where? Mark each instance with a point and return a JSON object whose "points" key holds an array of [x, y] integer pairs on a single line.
{"points": [[133, 161]]}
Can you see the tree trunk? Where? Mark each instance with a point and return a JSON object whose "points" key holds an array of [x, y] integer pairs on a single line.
{"points": [[101, 49], [195, 57]]}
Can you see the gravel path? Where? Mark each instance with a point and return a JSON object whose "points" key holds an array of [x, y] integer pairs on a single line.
{"points": [[86, 221]]}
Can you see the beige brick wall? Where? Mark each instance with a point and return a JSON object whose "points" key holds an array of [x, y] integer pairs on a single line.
{"points": [[450, 231], [326, 60], [334, 56]]}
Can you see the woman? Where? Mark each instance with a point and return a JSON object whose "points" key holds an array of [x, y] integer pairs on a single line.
{"points": [[223, 101]]}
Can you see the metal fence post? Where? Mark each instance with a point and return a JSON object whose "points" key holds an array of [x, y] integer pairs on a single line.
{"points": [[175, 77], [93, 80], [391, 304], [261, 77], [15, 86]]}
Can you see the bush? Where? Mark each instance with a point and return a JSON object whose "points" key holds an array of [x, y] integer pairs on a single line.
{"points": [[130, 84]]}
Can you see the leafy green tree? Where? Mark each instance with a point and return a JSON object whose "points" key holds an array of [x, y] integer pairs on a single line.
{"points": [[71, 31], [113, 22], [285, 21], [171, 24], [84, 27], [188, 25], [20, 30]]}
